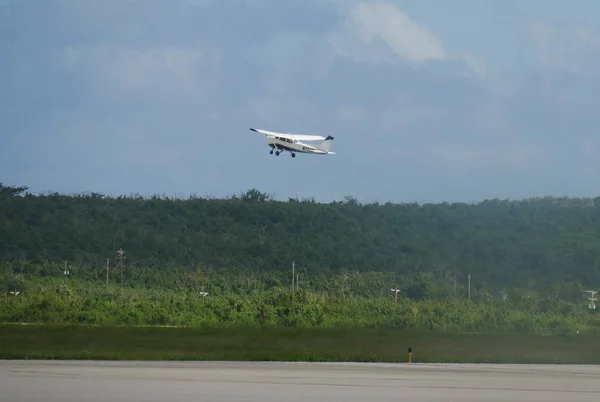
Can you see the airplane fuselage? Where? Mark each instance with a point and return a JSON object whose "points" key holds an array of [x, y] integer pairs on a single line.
{"points": [[286, 144]]}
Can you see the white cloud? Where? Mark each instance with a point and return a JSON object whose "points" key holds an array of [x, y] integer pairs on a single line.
{"points": [[572, 49], [169, 73], [379, 32], [406, 38], [474, 64]]}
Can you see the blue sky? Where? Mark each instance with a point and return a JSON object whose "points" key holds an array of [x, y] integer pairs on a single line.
{"points": [[427, 100]]}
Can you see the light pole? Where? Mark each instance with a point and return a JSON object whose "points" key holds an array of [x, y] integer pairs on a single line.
{"points": [[121, 254], [592, 299], [469, 277], [396, 290]]}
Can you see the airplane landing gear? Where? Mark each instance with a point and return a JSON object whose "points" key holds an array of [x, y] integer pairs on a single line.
{"points": [[279, 151]]}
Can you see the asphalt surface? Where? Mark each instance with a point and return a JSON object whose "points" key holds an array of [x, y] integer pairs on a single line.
{"points": [[64, 381]]}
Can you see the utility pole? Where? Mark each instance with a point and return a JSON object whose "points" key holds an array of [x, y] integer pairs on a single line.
{"points": [[469, 277], [121, 254], [293, 273], [65, 272]]}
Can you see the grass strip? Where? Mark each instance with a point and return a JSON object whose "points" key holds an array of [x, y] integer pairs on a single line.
{"points": [[287, 344]]}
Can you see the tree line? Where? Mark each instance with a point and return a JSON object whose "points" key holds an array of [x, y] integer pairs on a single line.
{"points": [[534, 243]]}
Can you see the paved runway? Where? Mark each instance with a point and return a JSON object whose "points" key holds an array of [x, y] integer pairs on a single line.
{"points": [[64, 381]]}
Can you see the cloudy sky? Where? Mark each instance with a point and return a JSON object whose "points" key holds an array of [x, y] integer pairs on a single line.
{"points": [[427, 100]]}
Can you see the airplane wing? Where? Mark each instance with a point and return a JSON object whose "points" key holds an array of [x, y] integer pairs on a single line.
{"points": [[290, 136]]}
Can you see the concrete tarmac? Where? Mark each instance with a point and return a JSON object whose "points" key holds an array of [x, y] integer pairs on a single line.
{"points": [[65, 381]]}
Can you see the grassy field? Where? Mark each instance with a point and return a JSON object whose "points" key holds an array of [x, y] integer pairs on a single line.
{"points": [[282, 344]]}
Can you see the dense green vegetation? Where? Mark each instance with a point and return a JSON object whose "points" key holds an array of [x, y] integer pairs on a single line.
{"points": [[73, 301], [503, 244]]}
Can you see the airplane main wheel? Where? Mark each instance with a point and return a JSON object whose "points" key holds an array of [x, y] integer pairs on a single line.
{"points": [[271, 152], [293, 155], [277, 153]]}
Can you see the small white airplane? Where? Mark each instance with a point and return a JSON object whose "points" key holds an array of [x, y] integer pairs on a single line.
{"points": [[293, 143]]}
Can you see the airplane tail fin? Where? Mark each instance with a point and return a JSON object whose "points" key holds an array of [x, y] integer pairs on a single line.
{"points": [[326, 144]]}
